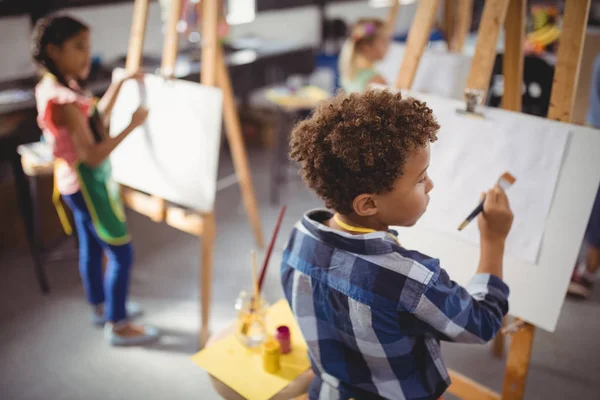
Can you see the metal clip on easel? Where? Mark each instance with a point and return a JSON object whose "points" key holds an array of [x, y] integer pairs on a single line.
{"points": [[472, 99]]}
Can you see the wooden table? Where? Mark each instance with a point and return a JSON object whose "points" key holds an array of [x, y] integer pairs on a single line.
{"points": [[291, 107]]}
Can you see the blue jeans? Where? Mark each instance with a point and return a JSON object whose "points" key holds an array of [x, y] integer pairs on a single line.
{"points": [[111, 289]]}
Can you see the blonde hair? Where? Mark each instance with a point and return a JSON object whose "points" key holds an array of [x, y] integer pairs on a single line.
{"points": [[363, 33]]}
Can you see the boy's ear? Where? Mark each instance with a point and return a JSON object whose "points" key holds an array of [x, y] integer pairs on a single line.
{"points": [[364, 205]]}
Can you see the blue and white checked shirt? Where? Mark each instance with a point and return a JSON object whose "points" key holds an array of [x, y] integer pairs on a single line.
{"points": [[373, 313]]}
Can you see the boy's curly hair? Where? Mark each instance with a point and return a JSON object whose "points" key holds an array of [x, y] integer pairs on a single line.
{"points": [[358, 143]]}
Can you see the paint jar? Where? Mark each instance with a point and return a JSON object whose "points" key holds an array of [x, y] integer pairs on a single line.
{"points": [[271, 356], [251, 317], [283, 336]]}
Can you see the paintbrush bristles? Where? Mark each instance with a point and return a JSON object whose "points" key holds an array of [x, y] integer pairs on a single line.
{"points": [[463, 225], [508, 177]]}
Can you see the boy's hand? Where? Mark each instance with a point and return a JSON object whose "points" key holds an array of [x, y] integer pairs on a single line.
{"points": [[496, 219], [139, 117]]}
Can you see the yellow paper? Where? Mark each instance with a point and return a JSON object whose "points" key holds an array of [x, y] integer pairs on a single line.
{"points": [[241, 368]]}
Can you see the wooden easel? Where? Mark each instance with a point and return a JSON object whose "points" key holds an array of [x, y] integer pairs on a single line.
{"points": [[566, 75], [457, 21], [213, 73]]}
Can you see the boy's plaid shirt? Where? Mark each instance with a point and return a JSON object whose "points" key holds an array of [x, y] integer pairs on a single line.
{"points": [[373, 313]]}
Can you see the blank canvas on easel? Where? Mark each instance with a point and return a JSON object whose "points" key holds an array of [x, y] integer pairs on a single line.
{"points": [[472, 153], [175, 154], [431, 77], [537, 288]]}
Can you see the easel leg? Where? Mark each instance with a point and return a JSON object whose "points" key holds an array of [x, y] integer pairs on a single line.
{"points": [[512, 70], [512, 62], [236, 144], [449, 23], [418, 37], [463, 25], [498, 344], [208, 240], [492, 20], [517, 364], [568, 63], [136, 39]]}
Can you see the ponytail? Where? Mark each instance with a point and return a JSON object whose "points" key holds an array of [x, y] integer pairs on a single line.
{"points": [[362, 34], [347, 60]]}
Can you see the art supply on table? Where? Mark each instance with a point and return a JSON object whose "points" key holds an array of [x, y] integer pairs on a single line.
{"points": [[283, 336], [251, 317], [271, 356], [241, 368], [505, 181], [270, 249], [251, 310]]}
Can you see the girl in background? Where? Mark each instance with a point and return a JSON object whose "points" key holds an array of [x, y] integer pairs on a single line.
{"points": [[76, 128], [367, 44]]}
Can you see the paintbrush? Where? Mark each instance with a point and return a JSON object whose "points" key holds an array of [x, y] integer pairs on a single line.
{"points": [[254, 300], [257, 284], [505, 181], [270, 250]]}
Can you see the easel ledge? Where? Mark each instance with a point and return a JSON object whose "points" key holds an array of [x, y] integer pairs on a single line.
{"points": [[156, 209], [561, 108]]}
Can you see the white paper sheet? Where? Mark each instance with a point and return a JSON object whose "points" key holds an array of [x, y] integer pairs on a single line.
{"points": [[471, 154], [449, 81], [175, 154]]}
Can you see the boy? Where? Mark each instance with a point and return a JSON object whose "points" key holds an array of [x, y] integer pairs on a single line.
{"points": [[372, 312]]}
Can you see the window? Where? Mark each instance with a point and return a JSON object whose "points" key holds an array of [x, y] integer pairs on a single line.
{"points": [[240, 11]]}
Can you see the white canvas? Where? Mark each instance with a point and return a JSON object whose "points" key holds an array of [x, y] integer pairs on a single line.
{"points": [[538, 287], [440, 72], [175, 154], [471, 154]]}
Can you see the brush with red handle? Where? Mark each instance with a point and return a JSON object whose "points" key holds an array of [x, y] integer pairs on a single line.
{"points": [[270, 249]]}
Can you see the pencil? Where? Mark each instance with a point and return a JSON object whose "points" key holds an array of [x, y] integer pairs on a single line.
{"points": [[505, 181]]}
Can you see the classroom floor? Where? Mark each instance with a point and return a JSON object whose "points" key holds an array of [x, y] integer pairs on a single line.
{"points": [[50, 351]]}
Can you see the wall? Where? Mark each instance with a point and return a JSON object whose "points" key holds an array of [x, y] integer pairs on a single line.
{"points": [[14, 46], [111, 24]]}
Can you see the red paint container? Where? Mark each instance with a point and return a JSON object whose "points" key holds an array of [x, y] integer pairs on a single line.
{"points": [[284, 338]]}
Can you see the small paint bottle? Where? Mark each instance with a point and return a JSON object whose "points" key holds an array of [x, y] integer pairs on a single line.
{"points": [[270, 356], [284, 339]]}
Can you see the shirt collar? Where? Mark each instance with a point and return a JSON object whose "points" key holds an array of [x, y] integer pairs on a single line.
{"points": [[368, 243]]}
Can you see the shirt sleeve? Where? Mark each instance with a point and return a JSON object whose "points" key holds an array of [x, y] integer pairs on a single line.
{"points": [[49, 93], [471, 314]]}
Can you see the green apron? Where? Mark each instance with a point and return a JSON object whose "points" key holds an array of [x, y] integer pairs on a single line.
{"points": [[103, 200]]}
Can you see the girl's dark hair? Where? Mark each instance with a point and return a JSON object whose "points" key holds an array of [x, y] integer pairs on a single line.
{"points": [[56, 30]]}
